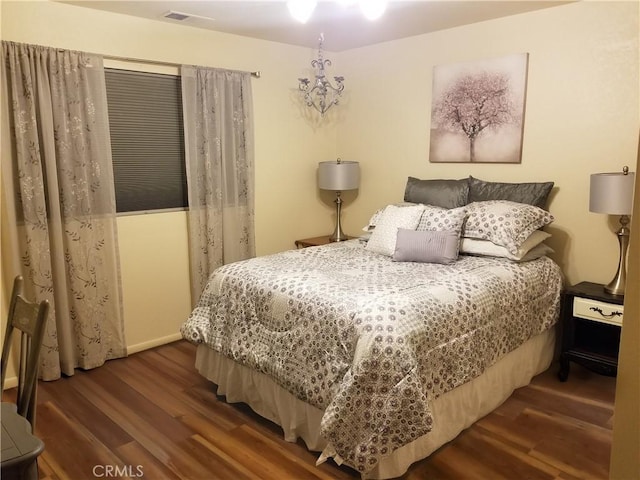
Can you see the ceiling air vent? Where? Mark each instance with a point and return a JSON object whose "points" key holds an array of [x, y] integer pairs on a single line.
{"points": [[176, 15]]}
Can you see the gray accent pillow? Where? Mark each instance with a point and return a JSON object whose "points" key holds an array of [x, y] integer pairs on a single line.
{"points": [[427, 246], [441, 193], [534, 193]]}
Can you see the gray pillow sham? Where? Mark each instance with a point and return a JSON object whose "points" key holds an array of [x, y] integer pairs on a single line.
{"points": [[534, 193], [426, 246], [441, 193]]}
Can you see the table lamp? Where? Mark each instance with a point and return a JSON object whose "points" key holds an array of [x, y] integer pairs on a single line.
{"points": [[338, 176], [612, 194]]}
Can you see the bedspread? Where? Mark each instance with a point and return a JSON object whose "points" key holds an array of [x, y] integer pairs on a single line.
{"points": [[368, 340]]}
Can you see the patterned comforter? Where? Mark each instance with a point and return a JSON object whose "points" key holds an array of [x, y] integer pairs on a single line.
{"points": [[368, 340]]}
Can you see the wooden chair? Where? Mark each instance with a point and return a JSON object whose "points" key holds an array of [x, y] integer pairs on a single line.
{"points": [[30, 318]]}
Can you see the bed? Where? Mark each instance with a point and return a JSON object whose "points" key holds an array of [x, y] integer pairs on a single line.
{"points": [[376, 353]]}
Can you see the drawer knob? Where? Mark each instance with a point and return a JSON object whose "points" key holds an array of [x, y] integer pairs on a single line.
{"points": [[611, 315]]}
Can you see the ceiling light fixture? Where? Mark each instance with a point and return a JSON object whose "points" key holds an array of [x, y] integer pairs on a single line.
{"points": [[346, 3], [373, 9], [321, 94], [301, 10]]}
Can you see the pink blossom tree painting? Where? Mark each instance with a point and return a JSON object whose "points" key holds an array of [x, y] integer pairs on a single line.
{"points": [[477, 111]]}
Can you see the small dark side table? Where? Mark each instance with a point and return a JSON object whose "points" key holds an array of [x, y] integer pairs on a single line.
{"points": [[591, 324], [20, 448]]}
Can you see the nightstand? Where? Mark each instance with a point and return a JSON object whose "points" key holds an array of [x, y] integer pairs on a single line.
{"points": [[591, 323], [315, 241]]}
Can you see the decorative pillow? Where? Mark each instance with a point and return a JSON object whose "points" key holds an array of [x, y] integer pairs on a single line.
{"points": [[537, 252], [383, 237], [504, 223], [427, 246], [475, 246], [364, 238], [373, 221], [441, 193], [439, 218], [530, 193]]}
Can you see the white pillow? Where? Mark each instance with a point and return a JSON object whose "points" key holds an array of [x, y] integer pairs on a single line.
{"points": [[504, 223], [476, 246], [375, 218], [383, 237]]}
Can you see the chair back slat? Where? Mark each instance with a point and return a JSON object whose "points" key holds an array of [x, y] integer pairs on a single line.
{"points": [[29, 318], [25, 316]]}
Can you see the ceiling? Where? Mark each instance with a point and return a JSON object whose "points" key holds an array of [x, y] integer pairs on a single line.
{"points": [[343, 27]]}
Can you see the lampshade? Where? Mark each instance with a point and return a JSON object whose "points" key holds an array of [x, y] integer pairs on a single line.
{"points": [[338, 175], [611, 193]]}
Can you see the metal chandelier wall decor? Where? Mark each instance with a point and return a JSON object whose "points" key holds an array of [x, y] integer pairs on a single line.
{"points": [[321, 94]]}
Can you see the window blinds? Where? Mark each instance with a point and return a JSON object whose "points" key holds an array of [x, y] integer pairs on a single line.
{"points": [[147, 140]]}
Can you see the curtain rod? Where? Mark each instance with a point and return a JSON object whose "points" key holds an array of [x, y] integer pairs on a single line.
{"points": [[255, 74]]}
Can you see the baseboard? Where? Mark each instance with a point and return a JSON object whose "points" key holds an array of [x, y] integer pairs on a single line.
{"points": [[156, 342], [11, 382]]}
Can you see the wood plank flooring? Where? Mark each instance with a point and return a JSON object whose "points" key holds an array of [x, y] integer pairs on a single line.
{"points": [[153, 416]]}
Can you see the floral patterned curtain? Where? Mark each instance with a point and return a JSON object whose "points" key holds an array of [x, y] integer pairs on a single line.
{"points": [[218, 130], [60, 201]]}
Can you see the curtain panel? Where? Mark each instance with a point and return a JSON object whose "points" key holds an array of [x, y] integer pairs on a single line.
{"points": [[218, 131], [60, 202]]}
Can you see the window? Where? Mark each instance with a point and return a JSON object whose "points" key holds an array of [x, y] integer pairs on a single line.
{"points": [[147, 140]]}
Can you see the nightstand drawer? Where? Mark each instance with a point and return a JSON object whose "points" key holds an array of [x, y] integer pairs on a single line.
{"points": [[597, 311]]}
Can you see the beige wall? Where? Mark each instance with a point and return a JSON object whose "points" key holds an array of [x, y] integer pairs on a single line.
{"points": [[288, 146], [582, 116], [153, 248]]}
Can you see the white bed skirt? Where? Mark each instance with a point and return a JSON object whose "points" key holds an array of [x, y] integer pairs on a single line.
{"points": [[452, 412]]}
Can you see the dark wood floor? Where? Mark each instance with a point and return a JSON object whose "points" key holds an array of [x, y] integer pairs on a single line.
{"points": [[153, 416]]}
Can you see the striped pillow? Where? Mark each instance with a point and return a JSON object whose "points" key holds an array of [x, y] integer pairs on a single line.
{"points": [[427, 246]]}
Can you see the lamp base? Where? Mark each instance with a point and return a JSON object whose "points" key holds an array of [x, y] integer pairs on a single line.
{"points": [[617, 285], [338, 235]]}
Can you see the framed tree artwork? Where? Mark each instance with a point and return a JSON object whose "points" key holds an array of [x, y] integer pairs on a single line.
{"points": [[477, 111]]}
